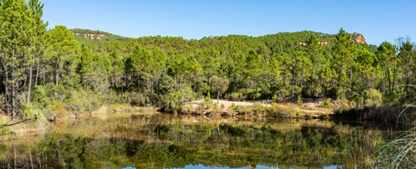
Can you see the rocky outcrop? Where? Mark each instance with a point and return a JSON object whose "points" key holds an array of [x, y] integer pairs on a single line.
{"points": [[358, 38], [323, 43], [91, 36]]}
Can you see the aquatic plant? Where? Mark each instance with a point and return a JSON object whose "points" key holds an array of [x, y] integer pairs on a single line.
{"points": [[400, 152]]}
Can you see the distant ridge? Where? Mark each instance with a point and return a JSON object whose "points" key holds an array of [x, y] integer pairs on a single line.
{"points": [[95, 36]]}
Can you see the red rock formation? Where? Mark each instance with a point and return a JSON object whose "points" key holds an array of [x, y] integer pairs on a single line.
{"points": [[358, 38]]}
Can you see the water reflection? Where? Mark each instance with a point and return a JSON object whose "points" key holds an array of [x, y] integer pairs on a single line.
{"points": [[167, 141]]}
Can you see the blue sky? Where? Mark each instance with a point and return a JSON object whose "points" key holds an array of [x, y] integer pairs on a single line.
{"points": [[378, 21]]}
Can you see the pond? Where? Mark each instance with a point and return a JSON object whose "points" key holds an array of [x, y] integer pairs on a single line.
{"points": [[132, 140]]}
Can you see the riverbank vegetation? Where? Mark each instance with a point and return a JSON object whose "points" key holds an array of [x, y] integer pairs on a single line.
{"points": [[47, 74], [49, 71]]}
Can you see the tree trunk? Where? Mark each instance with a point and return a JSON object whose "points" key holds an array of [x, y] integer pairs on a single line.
{"points": [[176, 82], [122, 85], [44, 76], [408, 82], [394, 79], [138, 80], [6, 84], [57, 71], [37, 72], [326, 89], [218, 98], [368, 81], [293, 81], [24, 84], [351, 79], [312, 76], [14, 94], [30, 86], [157, 86]]}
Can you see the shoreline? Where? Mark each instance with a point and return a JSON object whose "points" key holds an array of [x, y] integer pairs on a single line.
{"points": [[294, 112]]}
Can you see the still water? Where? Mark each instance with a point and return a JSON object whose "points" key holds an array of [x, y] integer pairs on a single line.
{"points": [[169, 141]]}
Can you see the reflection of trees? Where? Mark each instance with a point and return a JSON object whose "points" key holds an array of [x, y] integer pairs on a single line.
{"points": [[154, 141]]}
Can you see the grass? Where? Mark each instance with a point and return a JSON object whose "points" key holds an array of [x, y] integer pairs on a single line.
{"points": [[399, 153]]}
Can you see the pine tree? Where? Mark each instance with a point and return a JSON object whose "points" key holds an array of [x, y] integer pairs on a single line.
{"points": [[17, 38], [39, 43], [63, 47], [386, 53], [345, 58], [315, 52]]}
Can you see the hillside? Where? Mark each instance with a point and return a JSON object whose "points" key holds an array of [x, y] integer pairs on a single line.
{"points": [[91, 37], [274, 42]]}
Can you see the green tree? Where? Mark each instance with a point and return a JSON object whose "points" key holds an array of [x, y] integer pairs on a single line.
{"points": [[63, 48], [295, 62], [386, 53], [142, 60], [367, 63], [252, 69], [39, 41], [314, 48], [345, 57], [17, 38], [219, 85], [86, 64], [407, 55]]}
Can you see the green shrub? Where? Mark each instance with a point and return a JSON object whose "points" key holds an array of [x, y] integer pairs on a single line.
{"points": [[191, 108], [58, 108], [300, 101], [257, 108], [375, 97], [327, 103], [235, 96], [208, 97], [275, 98]]}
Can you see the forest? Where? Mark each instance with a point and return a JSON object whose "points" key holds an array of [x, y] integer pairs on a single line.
{"points": [[51, 72]]}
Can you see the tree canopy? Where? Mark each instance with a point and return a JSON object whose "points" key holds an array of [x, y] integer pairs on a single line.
{"points": [[166, 71]]}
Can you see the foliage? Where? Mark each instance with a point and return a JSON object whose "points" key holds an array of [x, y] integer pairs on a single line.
{"points": [[327, 103], [166, 71], [300, 101]]}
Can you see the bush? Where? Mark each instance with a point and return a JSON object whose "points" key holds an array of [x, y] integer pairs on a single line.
{"points": [[235, 96], [275, 98], [208, 97], [58, 108], [300, 101], [276, 110], [255, 95], [375, 97], [257, 108], [327, 103]]}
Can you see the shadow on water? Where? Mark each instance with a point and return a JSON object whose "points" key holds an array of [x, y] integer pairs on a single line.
{"points": [[168, 141]]}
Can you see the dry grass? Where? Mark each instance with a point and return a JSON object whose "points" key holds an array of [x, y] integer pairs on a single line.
{"points": [[238, 108]]}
